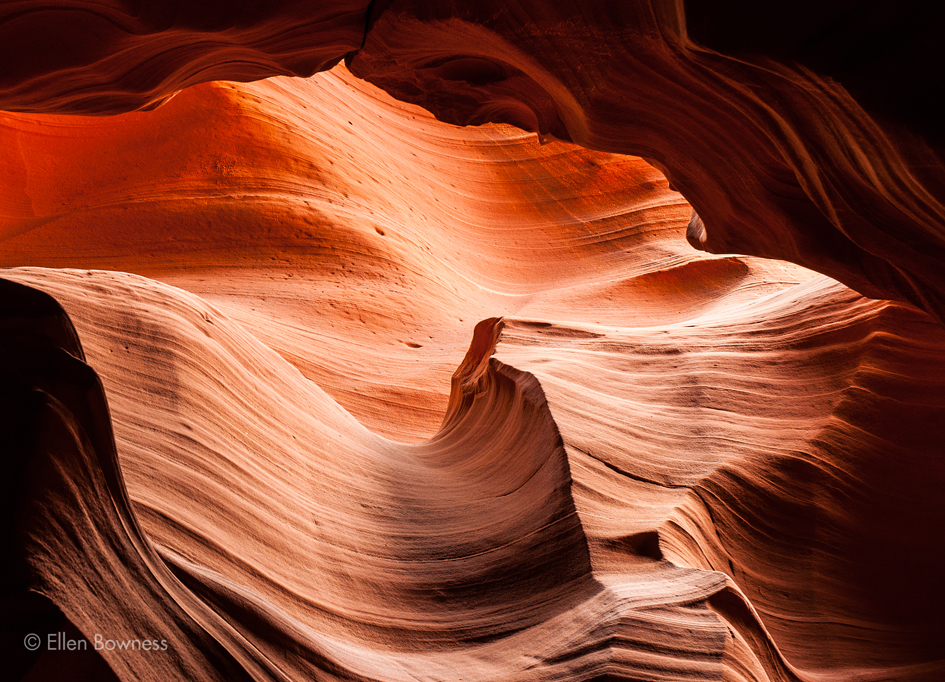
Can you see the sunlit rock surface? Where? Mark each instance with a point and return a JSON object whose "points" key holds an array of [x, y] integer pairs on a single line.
{"points": [[299, 382], [762, 137]]}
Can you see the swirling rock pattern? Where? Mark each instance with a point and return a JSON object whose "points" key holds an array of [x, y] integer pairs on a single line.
{"points": [[651, 463], [777, 160], [114, 56], [709, 518], [330, 215]]}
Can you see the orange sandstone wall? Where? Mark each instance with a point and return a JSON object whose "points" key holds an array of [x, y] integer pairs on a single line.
{"points": [[777, 159], [309, 384]]}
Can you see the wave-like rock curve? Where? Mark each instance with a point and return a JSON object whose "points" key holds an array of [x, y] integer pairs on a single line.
{"points": [[710, 498], [652, 463], [330, 216], [436, 557], [777, 160]]}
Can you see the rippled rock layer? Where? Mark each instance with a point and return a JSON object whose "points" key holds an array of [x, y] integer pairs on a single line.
{"points": [[300, 382], [779, 160]]}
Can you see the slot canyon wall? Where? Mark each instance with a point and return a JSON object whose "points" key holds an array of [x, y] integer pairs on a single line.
{"points": [[480, 341]]}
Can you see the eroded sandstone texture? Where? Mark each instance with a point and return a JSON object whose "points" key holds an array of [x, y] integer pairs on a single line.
{"points": [[355, 377]]}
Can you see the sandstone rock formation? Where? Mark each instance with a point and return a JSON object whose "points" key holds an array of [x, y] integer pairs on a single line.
{"points": [[300, 382], [777, 160]]}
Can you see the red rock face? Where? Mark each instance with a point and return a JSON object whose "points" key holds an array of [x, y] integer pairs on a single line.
{"points": [[300, 382]]}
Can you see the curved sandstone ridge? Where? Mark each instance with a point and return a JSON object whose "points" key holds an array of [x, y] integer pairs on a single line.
{"points": [[383, 549], [698, 500], [330, 217], [299, 382], [782, 442], [777, 160]]}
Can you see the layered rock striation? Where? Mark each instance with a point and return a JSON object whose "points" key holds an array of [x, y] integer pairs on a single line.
{"points": [[300, 382], [777, 160]]}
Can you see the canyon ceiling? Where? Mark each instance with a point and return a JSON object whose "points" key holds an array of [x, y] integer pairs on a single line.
{"points": [[473, 341]]}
